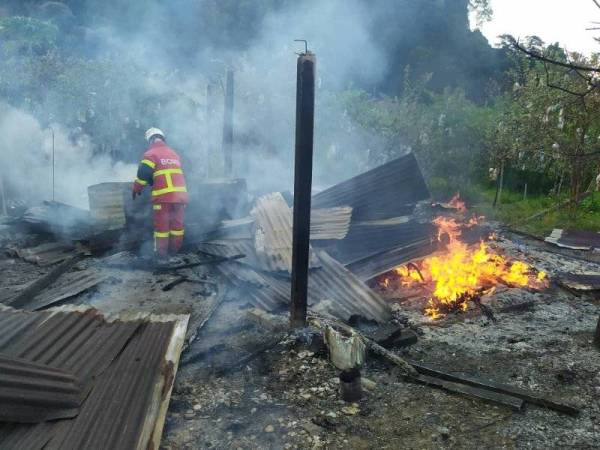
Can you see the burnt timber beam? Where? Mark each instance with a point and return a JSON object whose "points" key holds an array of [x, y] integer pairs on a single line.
{"points": [[305, 118], [514, 403], [528, 396]]}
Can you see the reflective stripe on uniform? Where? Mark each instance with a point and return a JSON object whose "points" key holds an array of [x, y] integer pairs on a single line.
{"points": [[177, 232], [156, 207], [170, 188], [159, 234], [167, 172], [149, 163], [142, 182]]}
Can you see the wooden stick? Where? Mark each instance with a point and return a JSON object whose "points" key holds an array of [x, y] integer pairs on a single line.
{"points": [[219, 260]]}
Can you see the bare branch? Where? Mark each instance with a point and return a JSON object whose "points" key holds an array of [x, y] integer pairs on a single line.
{"points": [[563, 89], [540, 57], [597, 3]]}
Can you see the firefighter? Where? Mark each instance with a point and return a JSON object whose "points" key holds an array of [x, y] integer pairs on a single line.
{"points": [[161, 169]]}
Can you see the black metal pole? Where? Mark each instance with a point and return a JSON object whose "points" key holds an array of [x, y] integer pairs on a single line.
{"points": [[228, 125], [305, 118]]}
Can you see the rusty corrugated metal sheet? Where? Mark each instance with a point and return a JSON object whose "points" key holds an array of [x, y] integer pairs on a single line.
{"points": [[575, 239], [273, 234], [31, 392], [390, 190], [126, 366]]}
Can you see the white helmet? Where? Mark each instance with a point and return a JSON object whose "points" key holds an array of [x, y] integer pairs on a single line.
{"points": [[154, 132]]}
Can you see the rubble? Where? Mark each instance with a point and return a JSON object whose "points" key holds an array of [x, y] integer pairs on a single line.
{"points": [[246, 382]]}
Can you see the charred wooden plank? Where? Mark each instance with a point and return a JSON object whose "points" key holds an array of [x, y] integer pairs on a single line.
{"points": [[159, 270], [528, 396], [510, 401]]}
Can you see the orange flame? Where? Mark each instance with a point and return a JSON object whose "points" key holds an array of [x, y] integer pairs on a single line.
{"points": [[465, 272], [457, 203]]}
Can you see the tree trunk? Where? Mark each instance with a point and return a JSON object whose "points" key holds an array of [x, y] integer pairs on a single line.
{"points": [[499, 183]]}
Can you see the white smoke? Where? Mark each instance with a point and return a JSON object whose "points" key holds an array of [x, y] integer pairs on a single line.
{"points": [[26, 161]]}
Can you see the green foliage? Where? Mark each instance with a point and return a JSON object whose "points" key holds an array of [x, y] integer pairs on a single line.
{"points": [[591, 204]]}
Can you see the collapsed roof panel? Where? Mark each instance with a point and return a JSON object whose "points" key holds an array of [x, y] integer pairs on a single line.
{"points": [[330, 223], [367, 240], [71, 285], [327, 223], [375, 265], [126, 365], [330, 286], [390, 190], [575, 239], [31, 392], [273, 233]]}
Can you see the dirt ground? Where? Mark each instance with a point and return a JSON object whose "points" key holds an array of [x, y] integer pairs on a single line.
{"points": [[287, 395]]}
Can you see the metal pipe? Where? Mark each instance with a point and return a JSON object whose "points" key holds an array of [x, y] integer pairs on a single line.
{"points": [[228, 125], [305, 117], [52, 130]]}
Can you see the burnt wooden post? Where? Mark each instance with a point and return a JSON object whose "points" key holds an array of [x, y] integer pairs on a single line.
{"points": [[228, 125], [305, 118]]}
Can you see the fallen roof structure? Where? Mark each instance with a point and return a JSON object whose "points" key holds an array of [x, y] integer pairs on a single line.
{"points": [[273, 234], [126, 366], [574, 239], [390, 190], [359, 229], [31, 392], [59, 219], [331, 286]]}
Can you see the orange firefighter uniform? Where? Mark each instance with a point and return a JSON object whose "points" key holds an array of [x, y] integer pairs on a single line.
{"points": [[161, 169]]}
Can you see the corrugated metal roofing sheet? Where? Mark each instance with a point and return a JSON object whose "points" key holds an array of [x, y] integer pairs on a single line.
{"points": [[390, 190], [330, 284], [327, 223], [31, 392], [580, 281], [348, 294], [330, 223], [47, 254], [367, 240], [378, 264], [72, 284], [127, 367], [107, 205], [575, 239], [273, 233]]}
